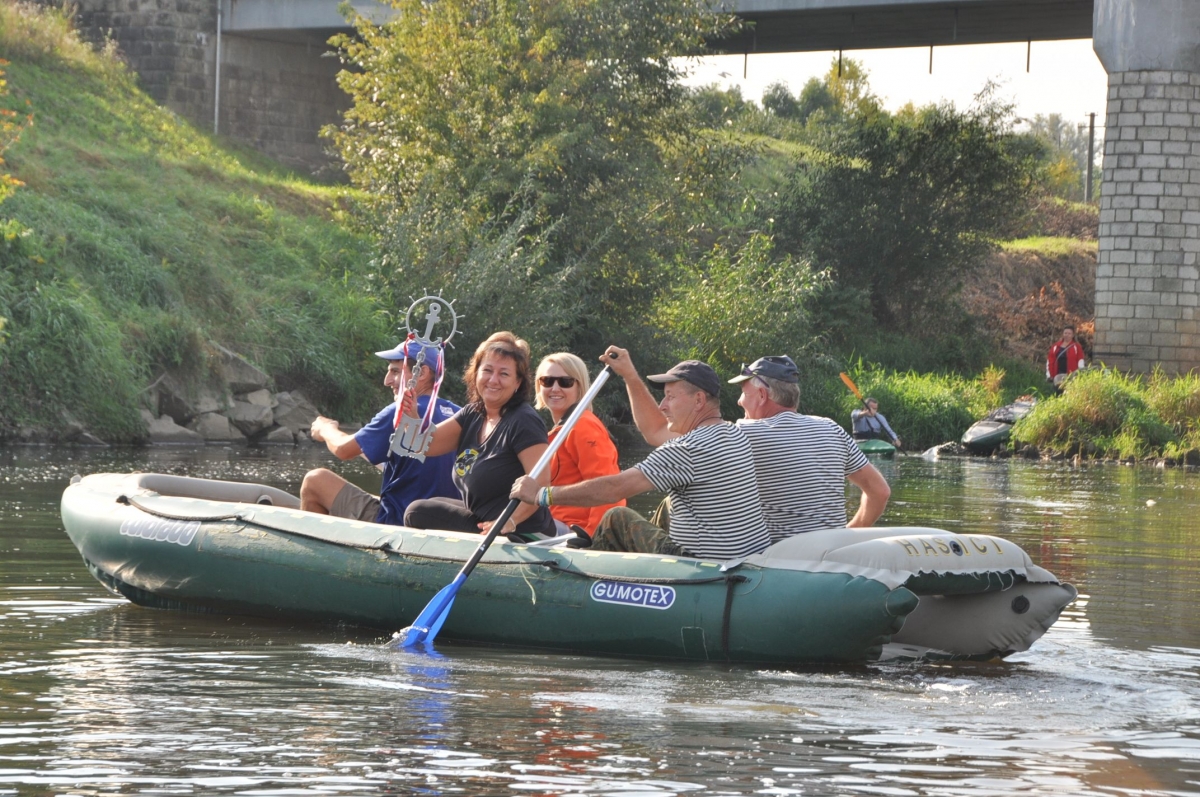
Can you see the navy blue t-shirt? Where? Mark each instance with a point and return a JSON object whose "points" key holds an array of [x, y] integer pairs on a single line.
{"points": [[405, 479]]}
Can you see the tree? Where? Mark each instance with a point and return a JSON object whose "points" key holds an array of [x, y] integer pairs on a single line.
{"points": [[543, 148], [1065, 155], [848, 85], [777, 98], [814, 97], [903, 206], [715, 107]]}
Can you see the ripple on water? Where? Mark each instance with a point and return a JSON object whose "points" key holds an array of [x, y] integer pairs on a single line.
{"points": [[99, 697]]}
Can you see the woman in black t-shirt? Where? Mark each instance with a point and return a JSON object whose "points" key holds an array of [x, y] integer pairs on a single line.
{"points": [[498, 437]]}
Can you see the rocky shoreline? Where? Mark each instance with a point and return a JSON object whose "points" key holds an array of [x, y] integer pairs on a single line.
{"points": [[235, 406]]}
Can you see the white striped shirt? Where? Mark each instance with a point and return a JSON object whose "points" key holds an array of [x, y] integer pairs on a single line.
{"points": [[709, 475], [802, 462]]}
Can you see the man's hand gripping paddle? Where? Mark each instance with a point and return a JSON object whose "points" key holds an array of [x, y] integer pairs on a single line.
{"points": [[429, 621]]}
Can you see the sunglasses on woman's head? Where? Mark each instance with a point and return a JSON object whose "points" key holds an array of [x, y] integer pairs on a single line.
{"points": [[563, 381]]}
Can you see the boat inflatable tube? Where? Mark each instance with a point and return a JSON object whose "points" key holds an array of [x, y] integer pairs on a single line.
{"points": [[837, 596], [980, 596]]}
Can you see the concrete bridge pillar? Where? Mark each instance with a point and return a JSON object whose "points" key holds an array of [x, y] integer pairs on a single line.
{"points": [[1148, 275]]}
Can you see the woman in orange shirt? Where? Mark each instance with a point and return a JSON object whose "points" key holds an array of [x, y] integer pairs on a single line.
{"points": [[588, 451]]}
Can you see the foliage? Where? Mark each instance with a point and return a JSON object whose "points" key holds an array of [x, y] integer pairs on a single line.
{"points": [[1176, 400], [1103, 413], [736, 305], [532, 158], [905, 205], [777, 98], [138, 242], [1063, 156], [12, 123], [714, 107], [843, 93]]}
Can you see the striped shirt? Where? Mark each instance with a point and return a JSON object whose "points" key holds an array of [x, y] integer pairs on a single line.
{"points": [[708, 474], [802, 462]]}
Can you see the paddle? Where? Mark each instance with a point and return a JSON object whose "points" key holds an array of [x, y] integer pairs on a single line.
{"points": [[854, 389], [429, 621]]}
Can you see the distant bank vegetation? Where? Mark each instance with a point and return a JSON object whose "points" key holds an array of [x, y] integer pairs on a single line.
{"points": [[544, 166]]}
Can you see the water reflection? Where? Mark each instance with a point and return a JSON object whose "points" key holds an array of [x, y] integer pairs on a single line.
{"points": [[100, 697]]}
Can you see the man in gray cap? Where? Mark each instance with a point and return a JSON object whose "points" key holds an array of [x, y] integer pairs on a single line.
{"points": [[802, 462], [704, 464]]}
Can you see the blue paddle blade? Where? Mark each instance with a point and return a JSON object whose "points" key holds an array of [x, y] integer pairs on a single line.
{"points": [[429, 621], [437, 624]]}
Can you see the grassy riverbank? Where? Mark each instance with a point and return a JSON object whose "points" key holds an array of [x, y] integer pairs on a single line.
{"points": [[1104, 414], [137, 242]]}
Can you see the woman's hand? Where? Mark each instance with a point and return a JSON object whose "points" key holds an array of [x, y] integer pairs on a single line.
{"points": [[486, 526]]}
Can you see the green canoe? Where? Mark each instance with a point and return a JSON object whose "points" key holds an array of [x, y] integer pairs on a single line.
{"points": [[171, 542], [988, 434], [880, 447]]}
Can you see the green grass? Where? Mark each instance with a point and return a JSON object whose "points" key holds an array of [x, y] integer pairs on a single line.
{"points": [[924, 409], [1050, 247], [1108, 415], [139, 242]]}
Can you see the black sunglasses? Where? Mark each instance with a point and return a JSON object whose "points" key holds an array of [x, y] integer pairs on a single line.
{"points": [[564, 381]]}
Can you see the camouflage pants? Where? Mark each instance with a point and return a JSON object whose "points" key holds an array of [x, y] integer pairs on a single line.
{"points": [[622, 529]]}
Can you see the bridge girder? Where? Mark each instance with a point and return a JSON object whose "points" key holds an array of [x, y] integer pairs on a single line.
{"points": [[776, 25]]}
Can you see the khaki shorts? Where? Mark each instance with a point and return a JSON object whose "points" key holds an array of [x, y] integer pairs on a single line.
{"points": [[353, 502]]}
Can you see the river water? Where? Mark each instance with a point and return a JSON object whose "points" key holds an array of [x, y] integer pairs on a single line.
{"points": [[100, 697]]}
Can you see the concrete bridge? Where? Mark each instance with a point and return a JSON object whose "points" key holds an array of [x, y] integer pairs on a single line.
{"points": [[778, 25], [253, 67]]}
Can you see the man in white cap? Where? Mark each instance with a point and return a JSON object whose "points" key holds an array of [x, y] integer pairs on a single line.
{"points": [[405, 479], [802, 461], [704, 464]]}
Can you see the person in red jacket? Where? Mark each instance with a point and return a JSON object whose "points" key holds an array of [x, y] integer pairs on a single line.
{"points": [[1065, 357], [588, 451]]}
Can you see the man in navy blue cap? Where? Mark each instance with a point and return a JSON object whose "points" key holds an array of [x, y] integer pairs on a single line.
{"points": [[802, 461], [404, 479]]}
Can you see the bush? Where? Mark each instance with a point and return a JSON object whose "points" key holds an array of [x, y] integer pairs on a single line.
{"points": [[1101, 413], [738, 305]]}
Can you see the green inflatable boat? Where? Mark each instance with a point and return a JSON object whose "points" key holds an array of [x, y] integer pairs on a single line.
{"points": [[879, 447], [843, 595]]}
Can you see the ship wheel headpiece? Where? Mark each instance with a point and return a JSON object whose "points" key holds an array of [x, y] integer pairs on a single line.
{"points": [[413, 435]]}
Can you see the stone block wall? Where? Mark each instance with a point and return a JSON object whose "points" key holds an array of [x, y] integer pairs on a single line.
{"points": [[1148, 272], [275, 95], [169, 43]]}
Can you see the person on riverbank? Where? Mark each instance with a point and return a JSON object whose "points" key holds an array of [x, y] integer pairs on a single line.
{"points": [[497, 437], [404, 479], [588, 451], [802, 462], [1064, 358], [704, 464], [869, 424]]}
